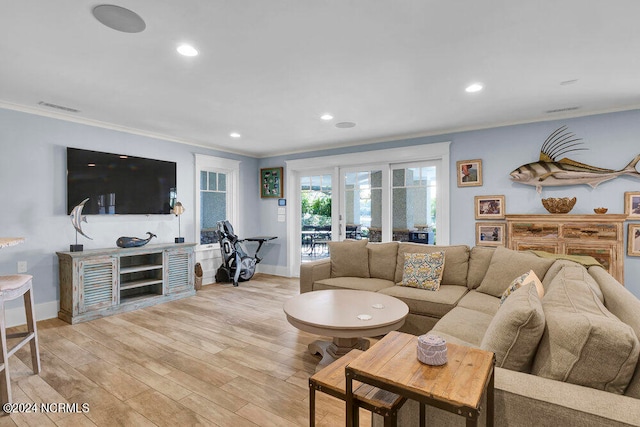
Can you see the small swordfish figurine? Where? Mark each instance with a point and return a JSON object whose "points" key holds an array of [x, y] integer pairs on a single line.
{"points": [[132, 242], [551, 172]]}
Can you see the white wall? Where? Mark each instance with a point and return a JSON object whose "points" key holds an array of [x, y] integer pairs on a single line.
{"points": [[33, 194]]}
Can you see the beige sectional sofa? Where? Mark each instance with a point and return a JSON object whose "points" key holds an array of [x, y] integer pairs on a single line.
{"points": [[568, 358]]}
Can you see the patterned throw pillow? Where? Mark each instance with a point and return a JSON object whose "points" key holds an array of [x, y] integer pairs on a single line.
{"points": [[423, 271], [525, 279]]}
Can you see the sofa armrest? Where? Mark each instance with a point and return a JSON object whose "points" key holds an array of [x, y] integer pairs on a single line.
{"points": [[562, 400], [311, 272]]}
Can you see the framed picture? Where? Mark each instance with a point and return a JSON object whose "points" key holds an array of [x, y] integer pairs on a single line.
{"points": [[490, 234], [271, 183], [632, 204], [469, 173], [489, 207], [633, 240]]}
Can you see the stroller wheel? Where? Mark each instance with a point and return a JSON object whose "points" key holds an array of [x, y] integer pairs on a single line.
{"points": [[247, 268]]}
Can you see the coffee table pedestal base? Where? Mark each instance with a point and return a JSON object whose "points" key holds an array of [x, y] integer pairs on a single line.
{"points": [[331, 351]]}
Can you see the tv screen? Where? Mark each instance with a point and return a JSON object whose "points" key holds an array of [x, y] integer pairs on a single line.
{"points": [[119, 184]]}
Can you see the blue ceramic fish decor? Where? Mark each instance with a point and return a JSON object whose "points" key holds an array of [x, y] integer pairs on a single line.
{"points": [[132, 242], [551, 172]]}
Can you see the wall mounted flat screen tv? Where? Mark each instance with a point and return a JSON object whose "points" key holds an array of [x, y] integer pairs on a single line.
{"points": [[119, 184]]}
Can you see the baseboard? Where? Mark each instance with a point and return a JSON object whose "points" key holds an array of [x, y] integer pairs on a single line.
{"points": [[275, 270], [46, 310]]}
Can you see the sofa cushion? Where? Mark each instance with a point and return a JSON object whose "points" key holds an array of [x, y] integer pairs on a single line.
{"points": [[456, 261], [357, 283], [478, 301], [559, 264], [516, 329], [434, 304], [521, 281], [382, 260], [625, 306], [479, 261], [423, 271], [506, 265], [464, 324], [349, 258], [583, 343]]}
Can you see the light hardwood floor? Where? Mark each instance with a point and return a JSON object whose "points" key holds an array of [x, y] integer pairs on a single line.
{"points": [[225, 357]]}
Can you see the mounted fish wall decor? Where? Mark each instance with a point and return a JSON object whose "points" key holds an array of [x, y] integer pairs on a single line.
{"points": [[551, 172]]}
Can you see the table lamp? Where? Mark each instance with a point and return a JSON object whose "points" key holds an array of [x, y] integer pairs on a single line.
{"points": [[178, 210]]}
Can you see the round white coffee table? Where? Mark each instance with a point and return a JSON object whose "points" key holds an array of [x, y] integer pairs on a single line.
{"points": [[347, 316]]}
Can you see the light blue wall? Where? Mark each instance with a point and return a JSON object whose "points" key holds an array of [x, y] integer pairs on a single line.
{"points": [[33, 192], [32, 184], [613, 140]]}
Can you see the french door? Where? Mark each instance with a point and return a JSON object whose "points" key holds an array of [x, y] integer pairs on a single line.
{"points": [[394, 202], [316, 214], [399, 194], [363, 203]]}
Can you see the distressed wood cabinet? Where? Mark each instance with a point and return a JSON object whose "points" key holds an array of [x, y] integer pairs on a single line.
{"points": [[102, 282], [599, 236]]}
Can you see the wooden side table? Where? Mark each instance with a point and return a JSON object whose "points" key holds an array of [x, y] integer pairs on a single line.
{"points": [[331, 380], [392, 364]]}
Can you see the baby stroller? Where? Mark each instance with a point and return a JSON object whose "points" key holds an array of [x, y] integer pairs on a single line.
{"points": [[237, 265]]}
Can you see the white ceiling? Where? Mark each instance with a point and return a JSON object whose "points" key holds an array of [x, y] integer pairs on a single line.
{"points": [[270, 69]]}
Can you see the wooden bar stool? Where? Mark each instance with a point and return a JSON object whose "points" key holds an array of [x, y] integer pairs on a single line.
{"points": [[12, 287]]}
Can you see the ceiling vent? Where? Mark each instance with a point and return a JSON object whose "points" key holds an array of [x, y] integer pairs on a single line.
{"points": [[58, 107], [561, 110], [345, 125]]}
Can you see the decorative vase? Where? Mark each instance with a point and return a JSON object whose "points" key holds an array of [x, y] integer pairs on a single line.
{"points": [[559, 205]]}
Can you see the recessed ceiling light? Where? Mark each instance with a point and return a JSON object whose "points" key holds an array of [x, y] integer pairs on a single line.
{"points": [[326, 117], [235, 135], [91, 164], [475, 87], [345, 125], [124, 157], [187, 50]]}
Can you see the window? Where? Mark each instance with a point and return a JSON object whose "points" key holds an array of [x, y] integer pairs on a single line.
{"points": [[213, 204], [216, 199]]}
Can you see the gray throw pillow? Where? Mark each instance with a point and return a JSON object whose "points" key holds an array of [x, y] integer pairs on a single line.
{"points": [[515, 331]]}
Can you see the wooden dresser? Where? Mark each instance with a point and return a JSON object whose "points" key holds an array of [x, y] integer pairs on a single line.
{"points": [[599, 236]]}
